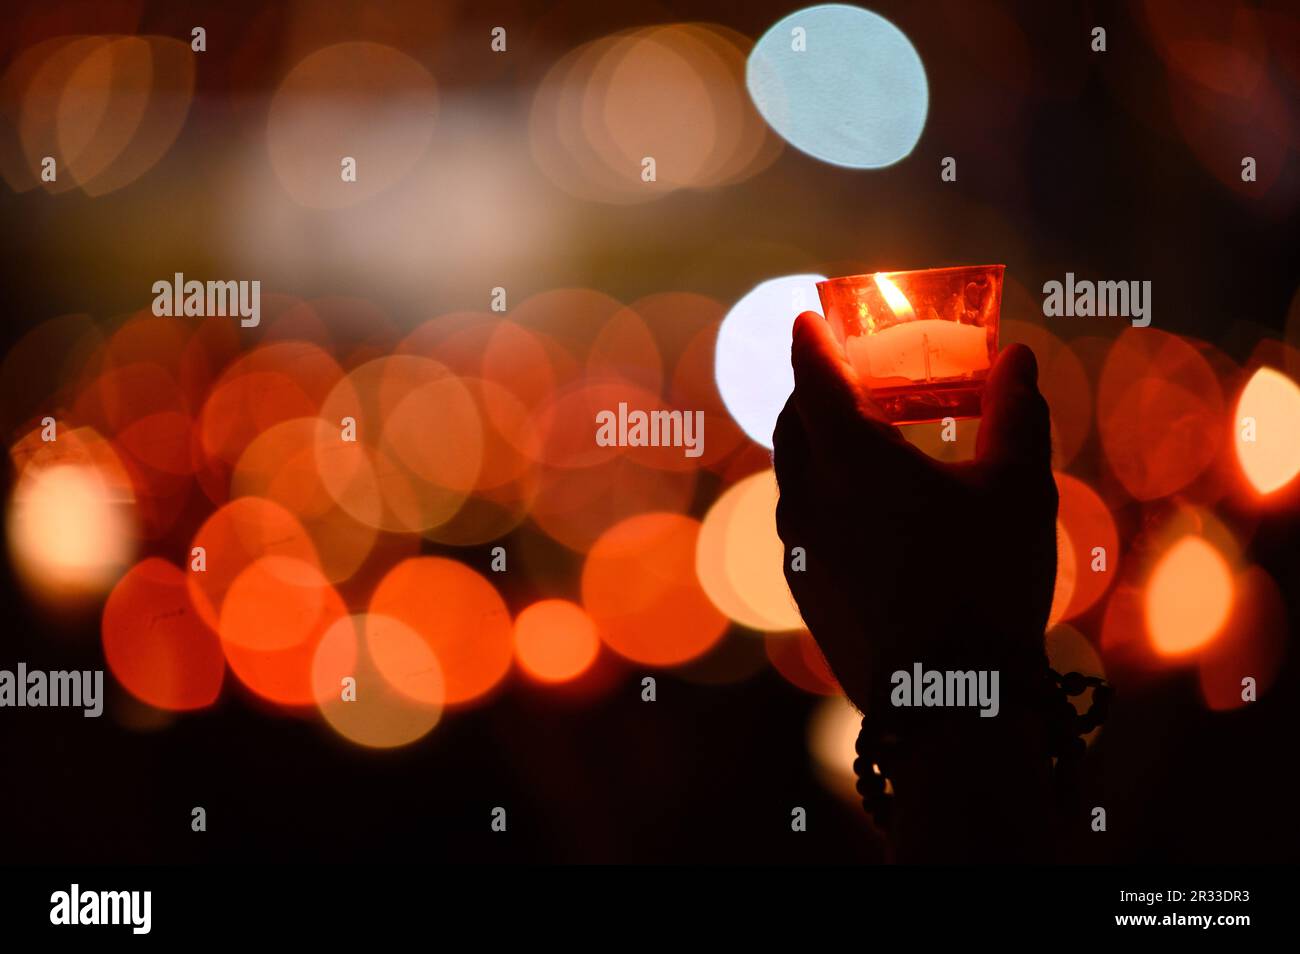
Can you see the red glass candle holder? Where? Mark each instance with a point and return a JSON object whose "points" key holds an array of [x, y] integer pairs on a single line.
{"points": [[923, 341]]}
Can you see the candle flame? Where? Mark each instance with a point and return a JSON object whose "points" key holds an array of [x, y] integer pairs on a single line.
{"points": [[895, 299]]}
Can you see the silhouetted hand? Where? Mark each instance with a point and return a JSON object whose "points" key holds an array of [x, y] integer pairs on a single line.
{"points": [[909, 559]]}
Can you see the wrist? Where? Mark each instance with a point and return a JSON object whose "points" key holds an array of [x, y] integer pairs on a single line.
{"points": [[975, 790], [967, 755]]}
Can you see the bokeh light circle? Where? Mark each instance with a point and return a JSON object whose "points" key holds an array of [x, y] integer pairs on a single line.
{"points": [[458, 614], [1088, 525], [236, 535], [156, 646], [832, 740], [639, 585], [71, 523], [1267, 430], [1159, 412], [376, 681], [740, 558], [364, 101], [555, 640], [272, 620], [752, 361], [842, 84], [1188, 597], [1252, 645]]}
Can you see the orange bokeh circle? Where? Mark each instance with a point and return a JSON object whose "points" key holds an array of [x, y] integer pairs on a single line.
{"points": [[458, 613], [639, 585]]}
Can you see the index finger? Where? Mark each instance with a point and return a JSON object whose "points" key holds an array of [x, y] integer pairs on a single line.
{"points": [[832, 403]]}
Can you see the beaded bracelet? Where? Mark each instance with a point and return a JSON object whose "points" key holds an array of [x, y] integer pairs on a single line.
{"points": [[877, 749]]}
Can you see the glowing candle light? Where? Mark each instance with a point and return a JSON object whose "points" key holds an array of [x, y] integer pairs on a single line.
{"points": [[915, 349], [922, 341]]}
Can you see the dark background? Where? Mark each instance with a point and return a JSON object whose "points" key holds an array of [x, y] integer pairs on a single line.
{"points": [[1068, 160]]}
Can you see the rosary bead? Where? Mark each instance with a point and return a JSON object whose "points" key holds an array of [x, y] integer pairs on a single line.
{"points": [[1073, 683]]}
